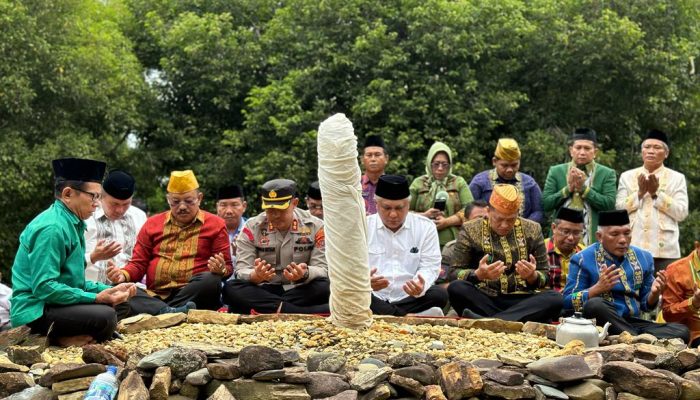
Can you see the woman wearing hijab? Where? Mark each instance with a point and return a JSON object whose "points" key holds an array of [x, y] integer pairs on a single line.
{"points": [[439, 183]]}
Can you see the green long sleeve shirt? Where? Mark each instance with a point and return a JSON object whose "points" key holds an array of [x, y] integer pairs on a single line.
{"points": [[49, 267]]}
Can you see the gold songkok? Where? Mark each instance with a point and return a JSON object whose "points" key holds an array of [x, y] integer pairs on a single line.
{"points": [[507, 150], [505, 199], [182, 182]]}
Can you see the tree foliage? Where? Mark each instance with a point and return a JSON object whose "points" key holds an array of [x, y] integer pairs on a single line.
{"points": [[236, 89]]}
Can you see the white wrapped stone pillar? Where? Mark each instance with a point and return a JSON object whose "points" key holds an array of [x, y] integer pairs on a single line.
{"points": [[344, 223]]}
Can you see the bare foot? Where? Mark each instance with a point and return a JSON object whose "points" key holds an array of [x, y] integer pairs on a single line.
{"points": [[79, 340]]}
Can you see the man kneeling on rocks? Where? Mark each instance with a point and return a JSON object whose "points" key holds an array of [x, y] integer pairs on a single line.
{"points": [[613, 281], [280, 258], [404, 254]]}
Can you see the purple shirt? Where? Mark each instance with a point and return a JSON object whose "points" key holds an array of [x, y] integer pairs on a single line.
{"points": [[481, 187], [368, 189]]}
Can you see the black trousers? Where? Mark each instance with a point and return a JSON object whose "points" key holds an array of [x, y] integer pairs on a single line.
{"points": [[539, 307], [203, 289], [96, 320], [604, 311], [309, 298], [435, 296]]}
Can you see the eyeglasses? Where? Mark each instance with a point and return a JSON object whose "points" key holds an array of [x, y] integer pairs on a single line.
{"points": [[95, 197], [567, 232], [174, 203], [440, 164]]}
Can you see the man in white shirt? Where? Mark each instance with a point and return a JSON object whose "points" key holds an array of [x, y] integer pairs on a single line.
{"points": [[404, 254], [656, 199], [112, 229]]}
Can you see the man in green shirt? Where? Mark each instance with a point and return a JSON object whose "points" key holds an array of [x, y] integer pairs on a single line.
{"points": [[50, 293]]}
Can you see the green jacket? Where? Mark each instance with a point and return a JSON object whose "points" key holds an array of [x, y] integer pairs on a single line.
{"points": [[425, 187], [600, 195], [49, 267]]}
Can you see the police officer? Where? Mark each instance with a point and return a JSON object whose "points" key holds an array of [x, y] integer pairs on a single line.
{"points": [[281, 263]]}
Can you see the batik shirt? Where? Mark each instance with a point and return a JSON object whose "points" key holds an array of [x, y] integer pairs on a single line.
{"points": [[629, 295], [476, 239]]}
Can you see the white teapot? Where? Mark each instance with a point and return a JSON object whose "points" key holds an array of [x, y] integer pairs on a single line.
{"points": [[580, 328]]}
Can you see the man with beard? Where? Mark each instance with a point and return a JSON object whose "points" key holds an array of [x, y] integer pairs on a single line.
{"points": [[183, 253]]}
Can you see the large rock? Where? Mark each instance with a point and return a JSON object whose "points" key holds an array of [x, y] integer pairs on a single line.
{"points": [[649, 352], [585, 391], [253, 359], [324, 384], [210, 350], [14, 336], [224, 370], [381, 392], [72, 385], [688, 358], [595, 363], [12, 367], [408, 359], [25, 355], [537, 328], [97, 353], [515, 361], [326, 362], [505, 377], [636, 379], [366, 380], [199, 377], [497, 390], [270, 375], [434, 392], [132, 387], [212, 317], [221, 393], [616, 352], [561, 369], [346, 395], [460, 379], [13, 382], [181, 361], [249, 389], [408, 385], [423, 373], [149, 322], [160, 385], [492, 324], [689, 389], [296, 375], [551, 393], [668, 362], [64, 371]]}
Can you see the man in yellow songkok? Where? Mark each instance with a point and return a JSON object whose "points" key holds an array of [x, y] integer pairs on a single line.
{"points": [[499, 265], [506, 167], [183, 253]]}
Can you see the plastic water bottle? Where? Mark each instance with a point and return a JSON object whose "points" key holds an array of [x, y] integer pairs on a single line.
{"points": [[104, 386]]}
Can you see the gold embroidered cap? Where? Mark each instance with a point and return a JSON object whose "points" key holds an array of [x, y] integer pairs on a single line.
{"points": [[278, 193], [182, 182], [508, 150], [505, 199]]}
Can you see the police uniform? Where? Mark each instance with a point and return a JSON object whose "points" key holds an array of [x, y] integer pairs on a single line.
{"points": [[304, 242]]}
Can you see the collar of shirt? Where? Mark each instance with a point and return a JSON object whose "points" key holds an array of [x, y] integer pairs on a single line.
{"points": [[589, 167], [516, 179], [69, 214], [365, 180], [655, 172], [241, 223], [199, 217]]}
